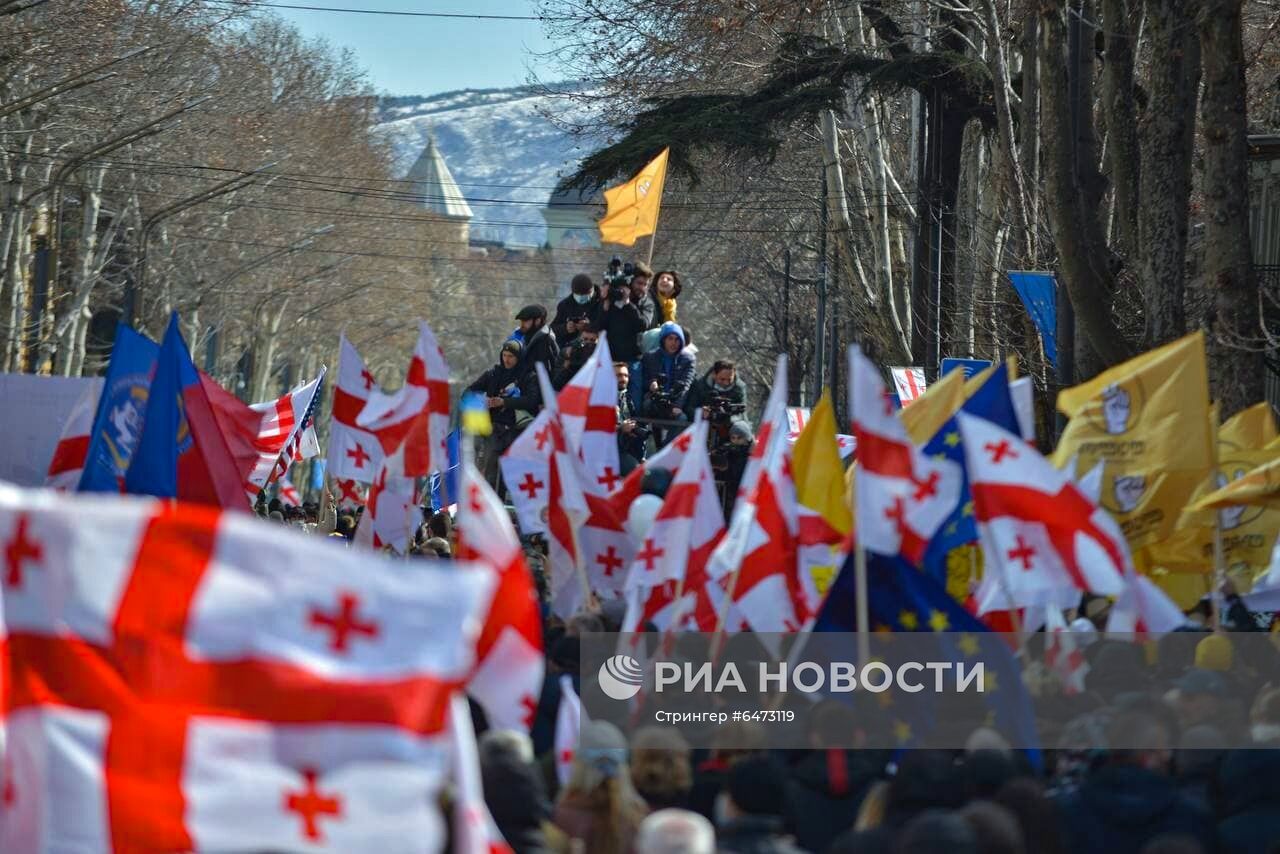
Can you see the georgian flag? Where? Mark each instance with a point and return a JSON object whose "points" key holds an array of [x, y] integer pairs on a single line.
{"points": [[305, 689], [474, 830], [354, 452], [67, 464], [589, 412], [1044, 541], [391, 514], [526, 472], [288, 493], [903, 496], [669, 457], [1063, 654], [569, 718], [417, 416], [508, 677], [668, 583]]}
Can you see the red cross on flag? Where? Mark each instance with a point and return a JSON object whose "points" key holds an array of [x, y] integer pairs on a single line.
{"points": [[1064, 652], [526, 472], [354, 452], [668, 582], [908, 383], [391, 514], [508, 677], [183, 679], [668, 457], [569, 718], [902, 495], [67, 463], [1143, 609], [589, 412], [417, 416], [280, 432], [756, 559], [288, 492], [1044, 542], [474, 830]]}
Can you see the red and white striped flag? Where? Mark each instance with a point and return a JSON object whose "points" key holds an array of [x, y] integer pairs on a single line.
{"points": [[305, 695], [417, 416], [283, 421], [508, 677], [67, 464], [354, 452]]}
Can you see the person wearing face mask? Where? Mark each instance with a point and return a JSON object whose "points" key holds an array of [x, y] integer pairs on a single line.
{"points": [[620, 319], [576, 311]]}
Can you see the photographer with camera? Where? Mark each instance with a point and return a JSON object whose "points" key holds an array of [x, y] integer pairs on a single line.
{"points": [[512, 400], [575, 355], [719, 394], [666, 373], [574, 312], [621, 320], [633, 436]]}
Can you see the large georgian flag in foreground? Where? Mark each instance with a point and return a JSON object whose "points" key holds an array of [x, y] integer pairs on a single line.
{"points": [[1043, 540], [508, 677], [183, 679], [668, 583], [417, 416], [902, 496], [354, 452], [756, 559]]}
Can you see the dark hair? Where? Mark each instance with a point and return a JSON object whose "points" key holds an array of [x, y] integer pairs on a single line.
{"points": [[440, 525], [581, 284], [723, 365], [622, 365]]}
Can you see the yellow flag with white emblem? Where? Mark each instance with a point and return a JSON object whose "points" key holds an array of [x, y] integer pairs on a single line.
{"points": [[1147, 420], [633, 207], [825, 517]]}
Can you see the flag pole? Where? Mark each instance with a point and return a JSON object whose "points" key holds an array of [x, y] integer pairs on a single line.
{"points": [[652, 239], [1219, 560], [863, 613]]}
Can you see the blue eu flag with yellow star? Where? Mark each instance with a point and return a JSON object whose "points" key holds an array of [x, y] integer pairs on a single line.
{"points": [[993, 402], [900, 598]]}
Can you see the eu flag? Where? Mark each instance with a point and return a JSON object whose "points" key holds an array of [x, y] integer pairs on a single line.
{"points": [[121, 410], [992, 402]]}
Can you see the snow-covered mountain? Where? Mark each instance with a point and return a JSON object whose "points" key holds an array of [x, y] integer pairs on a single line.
{"points": [[500, 145]]}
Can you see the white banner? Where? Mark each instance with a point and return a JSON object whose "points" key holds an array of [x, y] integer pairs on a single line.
{"points": [[32, 422]]}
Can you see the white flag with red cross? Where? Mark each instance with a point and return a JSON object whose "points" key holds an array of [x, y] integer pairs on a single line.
{"points": [[1143, 609], [349, 492], [474, 830], [569, 718], [67, 464], [288, 492], [417, 416], [508, 677], [1043, 540], [391, 515], [908, 383], [354, 452], [1063, 652], [668, 583], [668, 457], [903, 496], [526, 472], [589, 412], [756, 558], [181, 679], [798, 417]]}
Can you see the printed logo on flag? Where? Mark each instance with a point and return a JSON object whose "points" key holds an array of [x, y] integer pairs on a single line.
{"points": [[620, 677], [642, 189], [127, 400], [1119, 407]]}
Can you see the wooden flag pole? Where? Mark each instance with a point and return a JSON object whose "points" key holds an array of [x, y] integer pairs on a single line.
{"points": [[863, 614]]}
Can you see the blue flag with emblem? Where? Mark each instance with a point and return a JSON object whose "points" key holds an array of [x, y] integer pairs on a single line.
{"points": [[992, 402], [121, 411], [900, 598]]}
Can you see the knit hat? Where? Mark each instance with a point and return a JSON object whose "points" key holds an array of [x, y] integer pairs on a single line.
{"points": [[741, 430], [1215, 653], [511, 346], [602, 751]]}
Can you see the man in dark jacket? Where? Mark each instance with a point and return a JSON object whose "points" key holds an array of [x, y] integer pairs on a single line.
{"points": [[665, 375], [574, 356], [632, 436], [574, 312], [753, 811], [720, 384], [640, 296], [827, 786], [620, 319], [539, 341], [513, 400], [1132, 799]]}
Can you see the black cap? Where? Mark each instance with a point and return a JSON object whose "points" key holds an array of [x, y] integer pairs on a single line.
{"points": [[532, 312]]}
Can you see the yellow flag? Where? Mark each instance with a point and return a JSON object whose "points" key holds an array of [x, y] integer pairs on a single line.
{"points": [[1248, 429], [924, 418], [1259, 487], [819, 473], [1148, 421], [633, 207]]}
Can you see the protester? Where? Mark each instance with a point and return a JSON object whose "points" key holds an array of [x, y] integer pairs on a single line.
{"points": [[512, 400], [718, 390], [1249, 818], [580, 307], [621, 320], [514, 792], [539, 342], [660, 767], [640, 297], [826, 786], [632, 436], [675, 831], [665, 375], [574, 356], [666, 288], [599, 808], [751, 809]]}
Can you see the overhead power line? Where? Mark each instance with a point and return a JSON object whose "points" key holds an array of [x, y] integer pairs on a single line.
{"points": [[397, 13]]}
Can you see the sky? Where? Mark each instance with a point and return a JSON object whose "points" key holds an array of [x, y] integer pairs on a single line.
{"points": [[424, 56]]}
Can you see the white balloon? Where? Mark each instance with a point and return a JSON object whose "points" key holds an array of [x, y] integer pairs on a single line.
{"points": [[640, 516]]}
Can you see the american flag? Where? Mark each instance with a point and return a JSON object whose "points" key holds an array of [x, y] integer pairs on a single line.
{"points": [[280, 433]]}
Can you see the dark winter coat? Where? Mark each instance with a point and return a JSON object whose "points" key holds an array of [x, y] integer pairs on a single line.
{"points": [[1249, 791], [1122, 807], [672, 371], [701, 392], [754, 834], [623, 326], [516, 798], [824, 794], [541, 347], [570, 309], [500, 382], [648, 311]]}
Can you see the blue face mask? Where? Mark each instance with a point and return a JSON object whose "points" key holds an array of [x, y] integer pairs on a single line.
{"points": [[582, 299]]}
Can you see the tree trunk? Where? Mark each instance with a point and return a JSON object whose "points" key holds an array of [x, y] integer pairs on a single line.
{"points": [[1122, 117], [1026, 248], [1071, 200], [1167, 134], [1235, 338]]}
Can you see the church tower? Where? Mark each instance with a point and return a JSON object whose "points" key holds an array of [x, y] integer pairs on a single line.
{"points": [[437, 194]]}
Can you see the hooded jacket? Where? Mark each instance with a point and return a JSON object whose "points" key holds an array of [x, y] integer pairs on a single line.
{"points": [[824, 794], [541, 347], [1122, 807], [518, 802], [672, 371]]}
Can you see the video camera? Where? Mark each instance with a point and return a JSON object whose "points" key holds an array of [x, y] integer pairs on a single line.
{"points": [[658, 404], [721, 410], [617, 277]]}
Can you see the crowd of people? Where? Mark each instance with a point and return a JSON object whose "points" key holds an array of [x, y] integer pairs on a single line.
{"points": [[660, 382]]}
